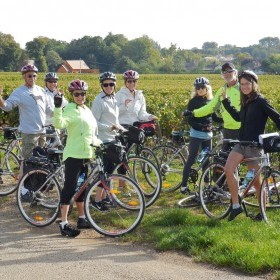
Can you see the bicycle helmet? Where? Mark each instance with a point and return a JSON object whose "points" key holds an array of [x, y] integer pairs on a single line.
{"points": [[201, 81], [51, 76], [107, 76], [131, 74], [77, 85], [248, 75], [29, 68]]}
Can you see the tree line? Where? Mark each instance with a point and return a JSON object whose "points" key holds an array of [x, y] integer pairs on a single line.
{"points": [[116, 53]]}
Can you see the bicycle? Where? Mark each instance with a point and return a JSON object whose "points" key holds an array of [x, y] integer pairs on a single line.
{"points": [[172, 160], [214, 193], [142, 170], [9, 161], [125, 199]]}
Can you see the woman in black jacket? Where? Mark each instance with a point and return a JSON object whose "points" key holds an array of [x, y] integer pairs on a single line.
{"points": [[253, 115], [201, 128]]}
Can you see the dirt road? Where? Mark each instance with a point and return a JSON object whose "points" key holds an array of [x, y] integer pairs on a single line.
{"points": [[27, 252]]}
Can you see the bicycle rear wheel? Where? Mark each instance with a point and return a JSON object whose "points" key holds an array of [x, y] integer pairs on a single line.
{"points": [[191, 200], [126, 206], [214, 193], [38, 197], [145, 174], [270, 197], [9, 172], [171, 166]]}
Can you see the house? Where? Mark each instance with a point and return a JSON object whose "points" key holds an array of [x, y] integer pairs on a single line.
{"points": [[75, 66]]}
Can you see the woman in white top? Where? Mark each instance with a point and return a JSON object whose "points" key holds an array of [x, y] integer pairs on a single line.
{"points": [[131, 102]]}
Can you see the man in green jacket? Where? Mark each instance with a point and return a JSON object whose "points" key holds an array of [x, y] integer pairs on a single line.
{"points": [[231, 127]]}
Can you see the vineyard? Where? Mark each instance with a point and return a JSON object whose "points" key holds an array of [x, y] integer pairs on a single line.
{"points": [[166, 95]]}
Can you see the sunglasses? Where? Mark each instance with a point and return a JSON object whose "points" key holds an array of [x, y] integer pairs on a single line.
{"points": [[76, 94], [32, 76], [108, 84], [200, 87], [227, 71], [52, 82], [131, 81]]}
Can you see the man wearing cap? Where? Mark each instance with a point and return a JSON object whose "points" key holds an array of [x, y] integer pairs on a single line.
{"points": [[231, 87], [33, 106]]}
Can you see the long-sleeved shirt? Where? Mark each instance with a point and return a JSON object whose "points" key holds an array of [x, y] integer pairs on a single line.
{"points": [[234, 96], [33, 107], [81, 130], [106, 112], [135, 110], [253, 117]]}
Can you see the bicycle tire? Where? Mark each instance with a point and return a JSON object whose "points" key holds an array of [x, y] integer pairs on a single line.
{"points": [[171, 166], [9, 172], [214, 193], [270, 196], [41, 206], [126, 208], [146, 174]]}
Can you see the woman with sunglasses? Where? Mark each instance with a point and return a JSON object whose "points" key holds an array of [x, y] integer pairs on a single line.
{"points": [[106, 112], [200, 127], [253, 115], [131, 102], [81, 127]]}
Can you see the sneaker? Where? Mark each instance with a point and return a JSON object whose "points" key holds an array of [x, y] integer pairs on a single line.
{"points": [[69, 231], [234, 213], [83, 223], [100, 206], [106, 200], [27, 197], [185, 190]]}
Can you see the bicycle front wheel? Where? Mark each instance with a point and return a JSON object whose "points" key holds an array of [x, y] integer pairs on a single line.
{"points": [[214, 193], [9, 172], [126, 206], [38, 197], [171, 165], [270, 197]]}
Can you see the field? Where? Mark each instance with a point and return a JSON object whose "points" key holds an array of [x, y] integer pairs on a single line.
{"points": [[166, 95]]}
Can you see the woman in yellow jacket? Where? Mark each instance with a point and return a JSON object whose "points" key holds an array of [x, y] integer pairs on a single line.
{"points": [[81, 127]]}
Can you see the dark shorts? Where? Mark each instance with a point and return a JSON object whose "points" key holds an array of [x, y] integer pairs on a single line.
{"points": [[249, 152]]}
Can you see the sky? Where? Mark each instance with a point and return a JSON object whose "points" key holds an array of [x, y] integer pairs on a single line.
{"points": [[185, 23]]}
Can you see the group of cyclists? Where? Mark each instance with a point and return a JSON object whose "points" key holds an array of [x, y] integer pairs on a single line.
{"points": [[244, 113], [85, 127]]}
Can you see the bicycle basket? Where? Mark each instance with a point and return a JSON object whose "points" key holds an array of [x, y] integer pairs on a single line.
{"points": [[271, 144], [135, 135], [9, 133], [148, 127], [113, 152]]}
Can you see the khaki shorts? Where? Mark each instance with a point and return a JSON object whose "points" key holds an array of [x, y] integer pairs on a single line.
{"points": [[249, 152], [30, 141]]}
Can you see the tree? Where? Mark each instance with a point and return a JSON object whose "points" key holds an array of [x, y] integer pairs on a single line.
{"points": [[210, 48], [269, 42], [10, 53], [53, 60]]}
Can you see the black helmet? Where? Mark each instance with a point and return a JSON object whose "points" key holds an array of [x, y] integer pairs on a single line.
{"points": [[51, 76], [249, 75], [107, 76], [201, 81]]}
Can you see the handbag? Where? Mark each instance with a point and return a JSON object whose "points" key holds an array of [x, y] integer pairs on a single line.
{"points": [[149, 127]]}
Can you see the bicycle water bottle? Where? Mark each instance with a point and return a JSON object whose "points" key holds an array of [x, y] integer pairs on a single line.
{"points": [[202, 155], [80, 181], [248, 177]]}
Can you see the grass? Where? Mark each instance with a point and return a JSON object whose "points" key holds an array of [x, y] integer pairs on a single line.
{"points": [[245, 245]]}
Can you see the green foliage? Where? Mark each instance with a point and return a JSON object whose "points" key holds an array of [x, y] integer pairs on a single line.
{"points": [[166, 95]]}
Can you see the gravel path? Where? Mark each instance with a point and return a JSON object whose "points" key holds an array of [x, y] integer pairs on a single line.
{"points": [[27, 252]]}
